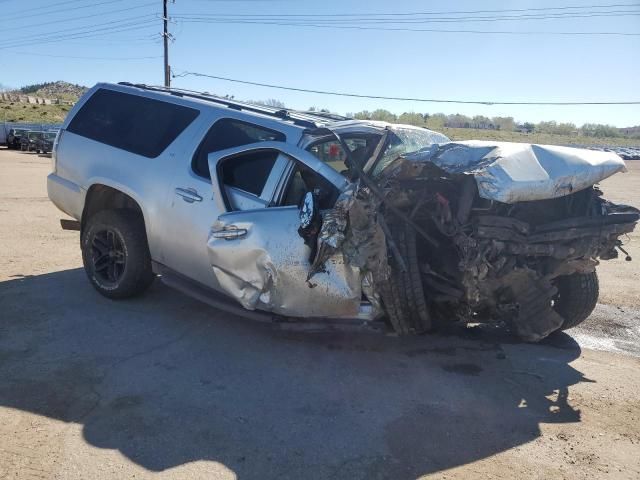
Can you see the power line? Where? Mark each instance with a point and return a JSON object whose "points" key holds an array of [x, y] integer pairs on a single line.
{"points": [[82, 58], [419, 18], [450, 12], [64, 38], [405, 99], [100, 41], [431, 30], [76, 29], [69, 33], [43, 10], [72, 19], [369, 21], [50, 5]]}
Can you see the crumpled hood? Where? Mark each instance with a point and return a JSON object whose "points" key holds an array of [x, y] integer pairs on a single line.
{"points": [[514, 172]]}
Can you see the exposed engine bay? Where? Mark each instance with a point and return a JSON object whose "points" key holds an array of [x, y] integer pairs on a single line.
{"points": [[477, 232]]}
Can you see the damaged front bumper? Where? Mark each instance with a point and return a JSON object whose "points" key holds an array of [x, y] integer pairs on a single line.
{"points": [[476, 232]]}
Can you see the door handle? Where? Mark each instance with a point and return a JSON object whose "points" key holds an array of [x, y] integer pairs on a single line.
{"points": [[189, 195], [230, 232]]}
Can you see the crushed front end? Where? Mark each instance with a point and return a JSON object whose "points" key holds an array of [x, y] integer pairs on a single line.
{"points": [[504, 262], [480, 233]]}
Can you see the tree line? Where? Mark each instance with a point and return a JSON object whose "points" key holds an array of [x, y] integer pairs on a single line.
{"points": [[438, 121]]}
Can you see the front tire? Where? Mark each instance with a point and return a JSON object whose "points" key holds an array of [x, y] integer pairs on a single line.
{"points": [[115, 253], [403, 295], [576, 298]]}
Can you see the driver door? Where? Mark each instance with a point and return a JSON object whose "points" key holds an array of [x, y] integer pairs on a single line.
{"points": [[257, 255]]}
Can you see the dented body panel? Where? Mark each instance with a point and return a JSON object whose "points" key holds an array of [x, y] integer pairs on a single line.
{"points": [[517, 172], [267, 269], [258, 258]]}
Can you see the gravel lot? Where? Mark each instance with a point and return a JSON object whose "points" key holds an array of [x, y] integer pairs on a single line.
{"points": [[166, 387]]}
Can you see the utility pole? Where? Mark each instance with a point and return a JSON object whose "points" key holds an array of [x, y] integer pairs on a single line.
{"points": [[165, 38]]}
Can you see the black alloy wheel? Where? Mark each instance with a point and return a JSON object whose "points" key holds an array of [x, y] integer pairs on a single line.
{"points": [[115, 253], [108, 255]]}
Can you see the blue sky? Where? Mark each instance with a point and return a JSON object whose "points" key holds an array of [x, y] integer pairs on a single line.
{"points": [[462, 66]]}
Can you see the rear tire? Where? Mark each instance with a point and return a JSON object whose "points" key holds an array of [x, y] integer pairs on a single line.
{"points": [[576, 298], [115, 253]]}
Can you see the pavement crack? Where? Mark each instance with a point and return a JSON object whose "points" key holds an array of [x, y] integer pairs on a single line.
{"points": [[154, 348]]}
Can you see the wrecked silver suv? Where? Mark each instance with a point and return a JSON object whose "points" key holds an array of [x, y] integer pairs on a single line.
{"points": [[299, 215]]}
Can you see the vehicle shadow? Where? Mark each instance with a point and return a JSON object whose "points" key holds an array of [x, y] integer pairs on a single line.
{"points": [[166, 380]]}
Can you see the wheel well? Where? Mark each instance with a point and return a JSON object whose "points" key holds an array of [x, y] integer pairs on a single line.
{"points": [[101, 197]]}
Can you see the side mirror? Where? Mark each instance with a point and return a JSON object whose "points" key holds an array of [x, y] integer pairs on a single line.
{"points": [[310, 222], [308, 210]]}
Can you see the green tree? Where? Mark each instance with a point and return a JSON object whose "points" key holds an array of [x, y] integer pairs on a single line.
{"points": [[528, 127], [412, 118], [363, 115], [274, 102], [480, 121], [458, 121], [546, 127], [436, 121], [384, 115], [506, 124], [599, 130], [565, 129]]}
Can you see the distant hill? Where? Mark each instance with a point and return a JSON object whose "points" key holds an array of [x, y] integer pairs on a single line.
{"points": [[26, 104], [62, 90], [14, 109]]}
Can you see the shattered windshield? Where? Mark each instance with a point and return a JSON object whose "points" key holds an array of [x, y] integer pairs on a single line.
{"points": [[404, 140], [331, 152]]}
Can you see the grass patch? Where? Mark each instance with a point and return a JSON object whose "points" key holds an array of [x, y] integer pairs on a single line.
{"points": [[541, 138], [36, 114]]}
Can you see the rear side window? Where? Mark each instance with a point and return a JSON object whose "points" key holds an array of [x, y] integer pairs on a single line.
{"points": [[228, 133], [249, 172], [139, 125]]}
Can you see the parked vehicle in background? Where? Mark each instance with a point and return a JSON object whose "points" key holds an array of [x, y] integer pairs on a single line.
{"points": [[24, 141], [29, 140], [14, 136], [44, 143], [304, 216]]}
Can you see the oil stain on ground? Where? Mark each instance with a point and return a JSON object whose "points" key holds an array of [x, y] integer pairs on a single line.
{"points": [[463, 368]]}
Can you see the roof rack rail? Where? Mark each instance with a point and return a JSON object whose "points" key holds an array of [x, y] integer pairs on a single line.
{"points": [[297, 118], [326, 115]]}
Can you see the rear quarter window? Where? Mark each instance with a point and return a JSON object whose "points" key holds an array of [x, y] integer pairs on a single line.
{"points": [[228, 133], [139, 125]]}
